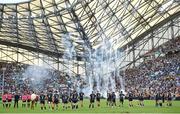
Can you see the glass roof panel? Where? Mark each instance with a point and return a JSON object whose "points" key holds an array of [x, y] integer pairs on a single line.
{"points": [[43, 23]]}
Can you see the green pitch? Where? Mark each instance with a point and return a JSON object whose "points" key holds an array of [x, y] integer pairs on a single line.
{"points": [[148, 108]]}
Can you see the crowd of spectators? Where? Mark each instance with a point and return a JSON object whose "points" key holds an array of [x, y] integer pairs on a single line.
{"points": [[160, 74]]}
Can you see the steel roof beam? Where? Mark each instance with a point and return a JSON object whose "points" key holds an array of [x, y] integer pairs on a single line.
{"points": [[150, 30], [34, 49]]}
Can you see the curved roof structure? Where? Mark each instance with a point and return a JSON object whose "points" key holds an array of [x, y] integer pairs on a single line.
{"points": [[45, 25]]}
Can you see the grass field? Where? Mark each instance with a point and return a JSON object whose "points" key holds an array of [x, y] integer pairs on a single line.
{"points": [[148, 108]]}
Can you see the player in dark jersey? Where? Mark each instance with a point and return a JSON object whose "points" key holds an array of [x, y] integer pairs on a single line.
{"points": [[70, 98], [16, 100], [108, 99], [163, 97], [98, 97], [157, 99], [49, 99], [169, 99], [65, 99], [92, 99], [121, 98], [141, 99], [42, 99], [74, 100], [160, 99], [55, 100], [81, 96], [130, 98], [113, 99]]}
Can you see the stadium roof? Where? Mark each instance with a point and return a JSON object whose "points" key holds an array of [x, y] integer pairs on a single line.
{"points": [[41, 25]]}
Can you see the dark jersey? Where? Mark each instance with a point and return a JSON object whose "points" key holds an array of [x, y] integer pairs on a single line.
{"points": [[16, 98], [98, 96], [81, 94], [121, 96], [157, 97], [49, 96], [108, 96], [130, 97], [65, 98], [42, 97], [74, 96], [56, 96], [141, 97], [169, 97], [92, 96], [113, 96]]}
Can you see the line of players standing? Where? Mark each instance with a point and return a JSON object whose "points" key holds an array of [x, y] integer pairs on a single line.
{"points": [[159, 99], [72, 98], [53, 99]]}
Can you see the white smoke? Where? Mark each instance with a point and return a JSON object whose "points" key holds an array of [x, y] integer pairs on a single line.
{"points": [[36, 75], [102, 69]]}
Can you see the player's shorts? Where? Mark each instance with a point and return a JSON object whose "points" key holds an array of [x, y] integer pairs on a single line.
{"points": [[56, 101], [113, 100], [42, 102], [141, 99], [49, 100], [24, 101], [81, 99], [169, 99], [130, 99], [28, 100], [74, 100], [65, 101], [9, 100], [98, 99], [4, 101], [121, 100], [91, 100]]}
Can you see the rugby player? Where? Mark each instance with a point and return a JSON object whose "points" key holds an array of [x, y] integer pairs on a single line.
{"points": [[92, 99]]}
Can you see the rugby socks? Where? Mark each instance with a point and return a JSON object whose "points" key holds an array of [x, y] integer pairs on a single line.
{"points": [[72, 106], [28, 105]]}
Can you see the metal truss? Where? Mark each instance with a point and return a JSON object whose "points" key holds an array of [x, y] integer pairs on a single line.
{"points": [[36, 28], [134, 52]]}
